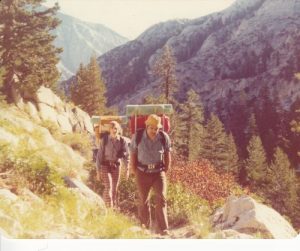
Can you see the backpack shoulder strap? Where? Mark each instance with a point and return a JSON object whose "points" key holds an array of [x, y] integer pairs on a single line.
{"points": [[104, 137], [163, 138], [139, 134]]}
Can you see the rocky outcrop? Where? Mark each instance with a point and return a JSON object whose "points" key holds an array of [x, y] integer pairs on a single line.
{"points": [[85, 191], [247, 216], [250, 45], [47, 106]]}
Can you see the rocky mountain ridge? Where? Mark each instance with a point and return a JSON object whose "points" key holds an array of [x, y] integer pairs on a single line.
{"points": [[80, 40], [248, 46]]}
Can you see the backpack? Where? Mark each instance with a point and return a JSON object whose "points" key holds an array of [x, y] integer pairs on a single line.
{"points": [[139, 134]]}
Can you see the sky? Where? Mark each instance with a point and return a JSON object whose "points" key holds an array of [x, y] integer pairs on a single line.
{"points": [[130, 18]]}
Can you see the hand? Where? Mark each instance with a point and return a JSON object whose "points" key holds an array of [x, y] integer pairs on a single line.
{"points": [[133, 171], [98, 176]]}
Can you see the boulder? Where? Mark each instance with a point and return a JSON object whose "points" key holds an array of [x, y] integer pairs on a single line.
{"points": [[84, 190], [8, 137], [46, 96], [245, 215], [64, 123], [31, 109], [48, 113], [8, 195]]}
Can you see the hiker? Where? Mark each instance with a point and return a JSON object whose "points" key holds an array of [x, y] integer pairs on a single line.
{"points": [[95, 141], [112, 149], [150, 160]]}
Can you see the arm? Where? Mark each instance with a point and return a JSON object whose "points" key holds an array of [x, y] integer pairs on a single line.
{"points": [[167, 160], [133, 160], [99, 160]]}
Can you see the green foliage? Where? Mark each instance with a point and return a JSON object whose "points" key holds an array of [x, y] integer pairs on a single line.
{"points": [[28, 169], [66, 214], [128, 196], [2, 96], [154, 99], [256, 164], [51, 126], [283, 185], [88, 90], [164, 70], [28, 54], [215, 146], [191, 129], [232, 156], [80, 142], [185, 207]]}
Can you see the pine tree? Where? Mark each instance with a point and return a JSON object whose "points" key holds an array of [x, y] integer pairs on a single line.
{"points": [[164, 69], [232, 156], [151, 99], [191, 127], [28, 54], [2, 98], [256, 165], [88, 90], [237, 121], [75, 90], [214, 144], [282, 190]]}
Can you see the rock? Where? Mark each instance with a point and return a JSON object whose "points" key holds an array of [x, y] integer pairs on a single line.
{"points": [[8, 195], [228, 234], [4, 234], [8, 137], [85, 191], [64, 123], [10, 225], [211, 57], [84, 119], [48, 113], [245, 215], [46, 96], [30, 197], [31, 109]]}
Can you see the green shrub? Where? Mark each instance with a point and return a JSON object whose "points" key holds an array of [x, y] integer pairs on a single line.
{"points": [[28, 169], [128, 196], [185, 207], [80, 142], [52, 127]]}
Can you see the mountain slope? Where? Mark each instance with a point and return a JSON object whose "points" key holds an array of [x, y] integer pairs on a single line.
{"points": [[245, 47], [80, 40]]}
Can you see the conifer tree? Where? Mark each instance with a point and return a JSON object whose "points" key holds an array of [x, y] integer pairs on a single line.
{"points": [[28, 54], [75, 86], [252, 127], [232, 156], [151, 99], [88, 90], [164, 69], [256, 165], [191, 127], [214, 144], [283, 187]]}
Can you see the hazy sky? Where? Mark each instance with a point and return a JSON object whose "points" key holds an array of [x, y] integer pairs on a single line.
{"points": [[132, 17]]}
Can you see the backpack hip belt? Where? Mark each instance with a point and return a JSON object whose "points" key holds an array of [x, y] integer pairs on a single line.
{"points": [[151, 168]]}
